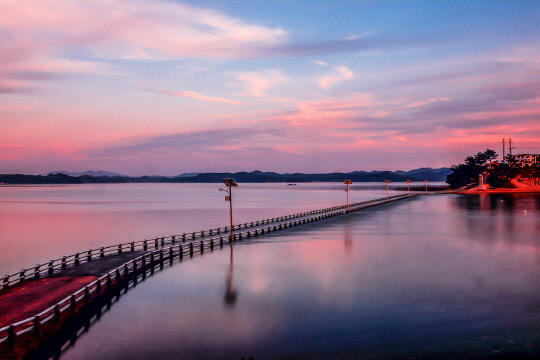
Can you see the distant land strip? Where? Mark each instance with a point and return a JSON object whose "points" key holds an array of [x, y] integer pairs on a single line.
{"points": [[242, 176]]}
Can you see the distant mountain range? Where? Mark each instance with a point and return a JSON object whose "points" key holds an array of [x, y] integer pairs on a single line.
{"points": [[89, 177], [88, 173]]}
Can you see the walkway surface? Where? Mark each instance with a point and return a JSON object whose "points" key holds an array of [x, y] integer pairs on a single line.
{"points": [[29, 298]]}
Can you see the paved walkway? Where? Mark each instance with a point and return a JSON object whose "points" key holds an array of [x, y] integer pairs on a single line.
{"points": [[29, 298]]}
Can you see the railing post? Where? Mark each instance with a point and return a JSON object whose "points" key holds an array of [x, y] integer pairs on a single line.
{"points": [[156, 244], [36, 272], [202, 247], [221, 241], [173, 239], [190, 249], [126, 270], [120, 249], [37, 325], [109, 280], [145, 245], [171, 253], [162, 242], [89, 256], [133, 246], [22, 277], [56, 312], [102, 252], [73, 302], [211, 244], [51, 268], [77, 261], [161, 256], [11, 335], [181, 252], [86, 293]]}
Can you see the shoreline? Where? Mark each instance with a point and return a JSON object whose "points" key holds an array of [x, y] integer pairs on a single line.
{"points": [[501, 191]]}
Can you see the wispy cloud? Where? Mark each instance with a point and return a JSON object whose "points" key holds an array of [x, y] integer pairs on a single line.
{"points": [[362, 44], [257, 82], [205, 141], [342, 73], [321, 63], [196, 96], [45, 35]]}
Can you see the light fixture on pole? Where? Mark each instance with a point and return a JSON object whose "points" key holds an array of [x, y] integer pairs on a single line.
{"points": [[408, 184], [230, 183], [426, 184], [347, 182], [387, 182]]}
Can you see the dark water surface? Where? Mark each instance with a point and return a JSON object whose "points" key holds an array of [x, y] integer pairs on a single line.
{"points": [[448, 276]]}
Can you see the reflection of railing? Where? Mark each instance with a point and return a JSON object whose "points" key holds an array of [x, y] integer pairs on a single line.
{"points": [[183, 248]]}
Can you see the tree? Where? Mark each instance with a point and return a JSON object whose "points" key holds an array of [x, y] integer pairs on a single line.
{"points": [[490, 155], [464, 174]]}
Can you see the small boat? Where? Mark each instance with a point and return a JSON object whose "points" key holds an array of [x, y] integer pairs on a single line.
{"points": [[291, 184]]}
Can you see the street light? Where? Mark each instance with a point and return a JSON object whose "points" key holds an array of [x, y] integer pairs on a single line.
{"points": [[426, 184], [347, 182], [387, 182], [408, 184], [230, 183]]}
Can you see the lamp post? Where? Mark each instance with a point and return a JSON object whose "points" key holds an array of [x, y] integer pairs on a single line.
{"points": [[230, 183], [426, 184], [387, 182], [408, 184], [347, 182]]}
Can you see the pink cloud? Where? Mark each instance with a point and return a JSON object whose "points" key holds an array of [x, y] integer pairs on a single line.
{"points": [[133, 29], [196, 96], [425, 102], [43, 35], [258, 82], [341, 73]]}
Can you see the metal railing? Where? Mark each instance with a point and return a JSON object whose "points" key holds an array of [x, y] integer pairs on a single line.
{"points": [[54, 266], [178, 247]]}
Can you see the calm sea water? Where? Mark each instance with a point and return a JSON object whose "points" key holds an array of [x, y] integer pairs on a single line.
{"points": [[438, 276]]}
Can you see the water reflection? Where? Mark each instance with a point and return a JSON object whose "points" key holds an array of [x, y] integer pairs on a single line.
{"points": [[498, 218], [231, 294], [425, 284], [496, 202], [348, 235]]}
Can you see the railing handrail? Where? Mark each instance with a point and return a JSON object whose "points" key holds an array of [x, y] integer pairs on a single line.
{"points": [[61, 306], [55, 264]]}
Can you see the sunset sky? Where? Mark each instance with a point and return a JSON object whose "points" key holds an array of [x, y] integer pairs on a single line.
{"points": [[145, 87]]}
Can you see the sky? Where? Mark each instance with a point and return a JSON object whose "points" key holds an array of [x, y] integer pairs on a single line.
{"points": [[163, 87]]}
